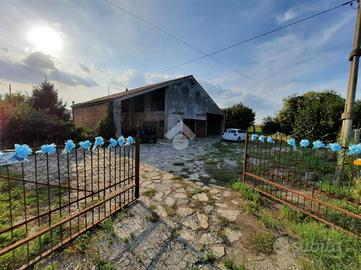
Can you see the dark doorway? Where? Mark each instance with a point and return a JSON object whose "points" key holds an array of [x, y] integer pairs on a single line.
{"points": [[214, 124], [191, 124]]}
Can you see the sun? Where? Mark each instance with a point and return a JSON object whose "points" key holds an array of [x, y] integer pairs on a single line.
{"points": [[45, 39]]}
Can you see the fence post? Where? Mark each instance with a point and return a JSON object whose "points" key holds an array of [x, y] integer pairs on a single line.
{"points": [[137, 157], [245, 155]]}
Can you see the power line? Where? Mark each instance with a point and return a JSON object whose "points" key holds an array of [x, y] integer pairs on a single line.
{"points": [[175, 38], [261, 35], [211, 54]]}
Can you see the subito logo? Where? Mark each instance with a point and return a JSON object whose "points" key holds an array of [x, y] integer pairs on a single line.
{"points": [[180, 135]]}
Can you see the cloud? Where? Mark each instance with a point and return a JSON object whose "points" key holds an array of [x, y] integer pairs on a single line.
{"points": [[157, 77], [35, 67], [70, 78], [84, 67], [288, 15], [39, 60]]}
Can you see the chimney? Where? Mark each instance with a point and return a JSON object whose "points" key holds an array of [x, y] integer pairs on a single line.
{"points": [[126, 89]]}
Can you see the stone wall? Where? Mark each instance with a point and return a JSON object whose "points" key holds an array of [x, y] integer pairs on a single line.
{"points": [[188, 100]]}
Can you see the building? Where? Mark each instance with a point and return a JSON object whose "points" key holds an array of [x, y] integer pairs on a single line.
{"points": [[161, 105]]}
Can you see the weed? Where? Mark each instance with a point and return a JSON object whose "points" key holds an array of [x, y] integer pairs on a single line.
{"points": [[104, 265], [251, 207], [263, 243], [52, 266], [231, 265], [108, 226], [82, 243], [247, 192], [175, 233], [122, 215], [153, 218], [267, 218], [288, 214], [149, 193], [208, 258]]}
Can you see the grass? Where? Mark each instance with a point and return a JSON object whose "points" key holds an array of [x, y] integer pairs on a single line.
{"points": [[231, 265], [104, 265], [268, 219], [149, 193], [108, 226], [263, 242], [246, 192], [215, 164], [324, 248]]}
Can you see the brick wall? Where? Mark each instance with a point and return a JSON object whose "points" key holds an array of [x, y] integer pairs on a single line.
{"points": [[89, 116]]}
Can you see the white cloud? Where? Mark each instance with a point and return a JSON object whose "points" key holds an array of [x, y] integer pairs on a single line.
{"points": [[288, 15]]}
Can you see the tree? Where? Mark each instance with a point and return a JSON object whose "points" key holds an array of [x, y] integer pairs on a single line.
{"points": [[45, 97], [40, 118], [106, 127], [313, 115], [357, 114], [239, 116], [271, 125]]}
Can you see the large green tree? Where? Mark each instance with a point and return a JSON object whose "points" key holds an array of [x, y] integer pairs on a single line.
{"points": [[45, 97], [40, 118], [357, 114], [313, 115], [239, 116], [271, 125]]}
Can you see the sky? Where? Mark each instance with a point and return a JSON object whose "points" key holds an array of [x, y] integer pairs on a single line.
{"points": [[89, 47]]}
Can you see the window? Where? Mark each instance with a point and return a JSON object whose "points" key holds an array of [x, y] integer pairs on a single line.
{"points": [[125, 106], [157, 100], [138, 103]]}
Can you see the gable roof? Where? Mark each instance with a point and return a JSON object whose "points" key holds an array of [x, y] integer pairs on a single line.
{"points": [[132, 92]]}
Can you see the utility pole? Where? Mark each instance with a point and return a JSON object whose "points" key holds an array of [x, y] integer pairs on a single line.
{"points": [[352, 82], [10, 89]]}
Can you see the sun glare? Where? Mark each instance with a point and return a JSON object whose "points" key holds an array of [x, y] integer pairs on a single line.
{"points": [[45, 39]]}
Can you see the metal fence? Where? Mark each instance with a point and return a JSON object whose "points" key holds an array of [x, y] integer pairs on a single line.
{"points": [[317, 182], [51, 199]]}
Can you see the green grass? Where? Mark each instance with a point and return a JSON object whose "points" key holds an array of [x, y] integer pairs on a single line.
{"points": [[268, 219], [263, 242], [231, 265], [149, 193], [246, 192], [108, 226], [104, 265], [324, 248]]}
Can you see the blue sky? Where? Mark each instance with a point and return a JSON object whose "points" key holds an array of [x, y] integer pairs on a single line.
{"points": [[101, 47]]}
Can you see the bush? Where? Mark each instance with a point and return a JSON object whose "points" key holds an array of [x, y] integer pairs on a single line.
{"points": [[106, 127]]}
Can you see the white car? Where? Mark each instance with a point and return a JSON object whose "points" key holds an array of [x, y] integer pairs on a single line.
{"points": [[234, 134]]}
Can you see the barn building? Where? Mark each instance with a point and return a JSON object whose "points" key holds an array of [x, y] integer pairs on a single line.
{"points": [[161, 105]]}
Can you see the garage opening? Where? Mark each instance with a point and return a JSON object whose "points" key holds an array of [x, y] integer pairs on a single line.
{"points": [[214, 124]]}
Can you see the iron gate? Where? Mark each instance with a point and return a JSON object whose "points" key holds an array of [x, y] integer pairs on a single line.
{"points": [[317, 182], [49, 200]]}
